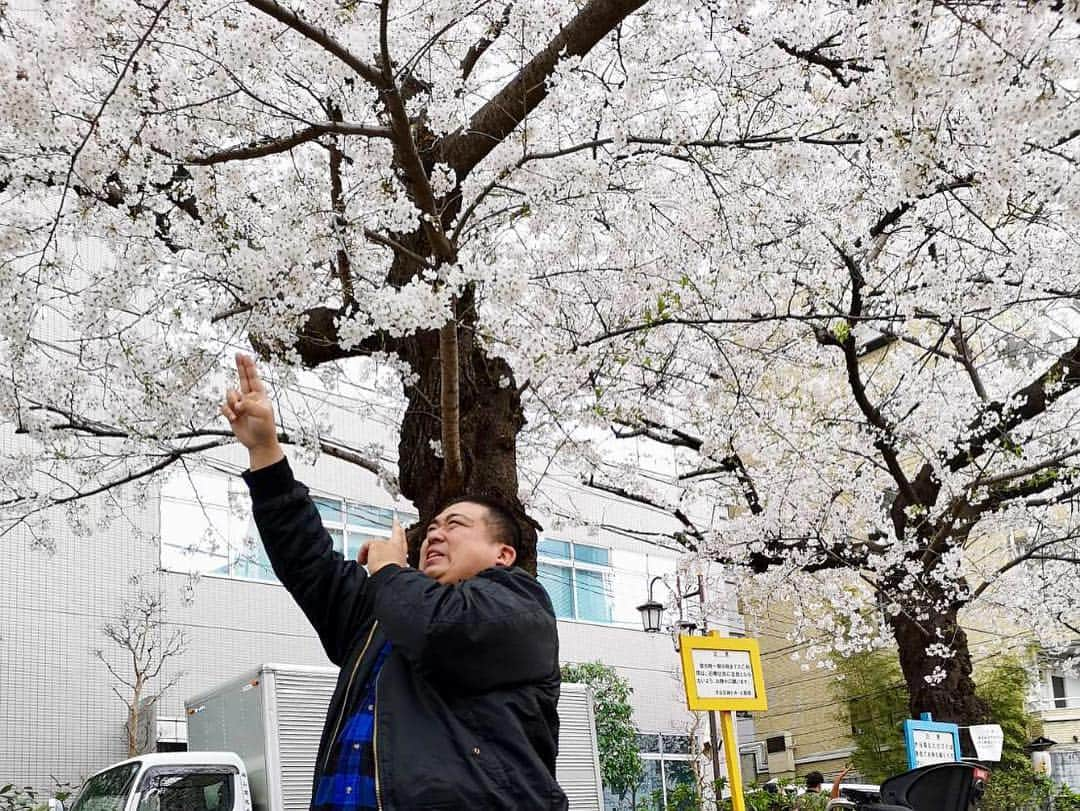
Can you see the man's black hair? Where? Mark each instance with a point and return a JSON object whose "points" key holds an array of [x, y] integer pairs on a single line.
{"points": [[499, 517], [814, 779]]}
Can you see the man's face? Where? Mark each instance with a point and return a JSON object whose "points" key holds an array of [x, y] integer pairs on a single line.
{"points": [[461, 543]]}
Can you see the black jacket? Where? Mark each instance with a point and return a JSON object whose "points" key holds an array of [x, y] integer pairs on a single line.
{"points": [[465, 713]]}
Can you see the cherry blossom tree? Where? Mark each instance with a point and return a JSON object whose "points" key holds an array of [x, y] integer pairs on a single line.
{"points": [[873, 351], [816, 246]]}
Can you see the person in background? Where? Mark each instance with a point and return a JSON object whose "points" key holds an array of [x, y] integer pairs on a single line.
{"points": [[814, 799]]}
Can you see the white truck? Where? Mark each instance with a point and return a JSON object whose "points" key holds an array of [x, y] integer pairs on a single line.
{"points": [[252, 744]]}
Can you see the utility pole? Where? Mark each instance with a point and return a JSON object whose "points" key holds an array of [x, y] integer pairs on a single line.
{"points": [[712, 714]]}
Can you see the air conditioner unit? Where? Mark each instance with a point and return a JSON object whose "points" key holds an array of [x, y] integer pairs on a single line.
{"points": [[781, 753]]}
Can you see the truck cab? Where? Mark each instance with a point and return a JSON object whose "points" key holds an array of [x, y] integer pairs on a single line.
{"points": [[177, 781]]}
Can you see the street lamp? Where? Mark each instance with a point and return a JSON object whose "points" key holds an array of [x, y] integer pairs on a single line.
{"points": [[652, 615], [652, 612]]}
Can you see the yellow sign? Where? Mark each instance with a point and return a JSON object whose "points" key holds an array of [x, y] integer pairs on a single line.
{"points": [[722, 673]]}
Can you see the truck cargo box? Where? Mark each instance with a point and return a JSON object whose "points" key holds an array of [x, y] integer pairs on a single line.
{"points": [[272, 718]]}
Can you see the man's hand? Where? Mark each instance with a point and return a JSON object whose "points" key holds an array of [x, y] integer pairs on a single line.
{"points": [[376, 554], [251, 416]]}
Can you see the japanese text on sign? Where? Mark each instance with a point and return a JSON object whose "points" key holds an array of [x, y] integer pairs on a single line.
{"points": [[723, 673], [933, 747]]}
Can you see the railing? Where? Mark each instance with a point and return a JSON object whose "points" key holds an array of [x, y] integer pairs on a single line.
{"points": [[1066, 703]]}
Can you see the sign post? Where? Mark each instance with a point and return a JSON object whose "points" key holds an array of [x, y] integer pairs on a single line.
{"points": [[724, 674]]}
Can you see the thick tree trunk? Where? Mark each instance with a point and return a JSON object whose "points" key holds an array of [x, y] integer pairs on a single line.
{"points": [[489, 406], [491, 417], [951, 698]]}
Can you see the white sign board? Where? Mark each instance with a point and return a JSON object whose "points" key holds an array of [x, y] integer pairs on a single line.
{"points": [[933, 747], [723, 673], [987, 739]]}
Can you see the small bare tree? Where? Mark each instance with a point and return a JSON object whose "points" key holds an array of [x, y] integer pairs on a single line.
{"points": [[138, 635]]}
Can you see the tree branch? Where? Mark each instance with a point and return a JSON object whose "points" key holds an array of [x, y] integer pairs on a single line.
{"points": [[749, 142], [320, 37], [318, 340], [493, 122], [407, 153], [94, 122], [815, 57], [343, 266], [1012, 564], [963, 350], [104, 431], [167, 459], [732, 463], [885, 444], [285, 143], [479, 47], [449, 408], [681, 538], [891, 217], [396, 247], [1028, 470], [996, 420]]}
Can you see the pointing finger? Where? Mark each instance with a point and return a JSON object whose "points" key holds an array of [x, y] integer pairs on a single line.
{"points": [[250, 382]]}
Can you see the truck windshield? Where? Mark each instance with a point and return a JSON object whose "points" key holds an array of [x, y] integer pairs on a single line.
{"points": [[204, 789], [107, 791]]}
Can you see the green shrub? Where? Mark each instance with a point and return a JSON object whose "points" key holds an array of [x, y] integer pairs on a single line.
{"points": [[615, 732], [14, 798], [1020, 790]]}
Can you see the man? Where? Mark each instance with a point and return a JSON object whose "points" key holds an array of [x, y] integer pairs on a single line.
{"points": [[449, 674], [814, 799]]}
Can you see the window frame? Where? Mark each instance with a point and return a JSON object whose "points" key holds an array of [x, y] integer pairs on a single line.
{"points": [[662, 756], [571, 563], [234, 554]]}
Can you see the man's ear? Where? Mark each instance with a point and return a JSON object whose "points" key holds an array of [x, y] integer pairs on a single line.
{"points": [[507, 555]]}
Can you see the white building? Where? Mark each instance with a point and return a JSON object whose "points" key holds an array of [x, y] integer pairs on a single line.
{"points": [[192, 546]]}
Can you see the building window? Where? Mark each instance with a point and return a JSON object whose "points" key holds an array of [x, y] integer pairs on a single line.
{"points": [[352, 524], [1057, 686], [670, 780], [578, 579], [207, 528]]}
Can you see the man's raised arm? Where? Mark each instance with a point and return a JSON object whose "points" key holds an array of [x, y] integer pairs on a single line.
{"points": [[329, 589]]}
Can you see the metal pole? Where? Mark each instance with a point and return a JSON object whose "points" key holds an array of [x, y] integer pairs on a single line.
{"points": [[731, 756], [712, 715]]}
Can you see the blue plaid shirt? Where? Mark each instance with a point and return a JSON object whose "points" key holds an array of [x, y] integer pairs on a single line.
{"points": [[349, 780]]}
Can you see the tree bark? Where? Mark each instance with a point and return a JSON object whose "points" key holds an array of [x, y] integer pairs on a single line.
{"points": [[952, 698], [490, 418]]}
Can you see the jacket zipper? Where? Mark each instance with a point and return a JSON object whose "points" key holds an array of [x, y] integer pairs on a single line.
{"points": [[375, 744], [345, 701]]}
